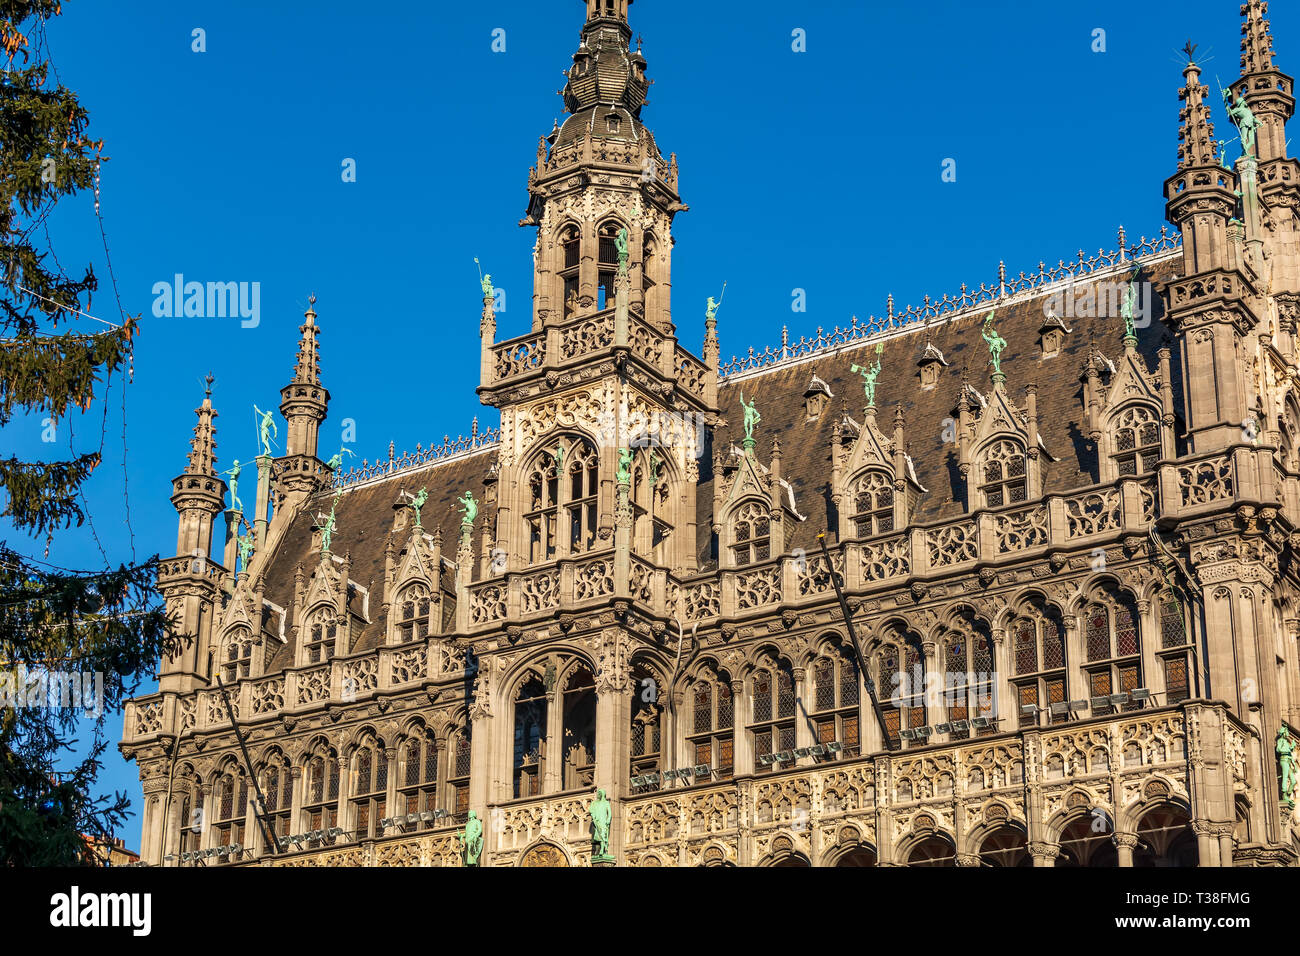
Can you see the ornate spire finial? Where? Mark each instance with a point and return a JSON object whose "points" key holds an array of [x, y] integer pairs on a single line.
{"points": [[1196, 134], [207, 392], [307, 369], [203, 454], [1256, 41], [1190, 50]]}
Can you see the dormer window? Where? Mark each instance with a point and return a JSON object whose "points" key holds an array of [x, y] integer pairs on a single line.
{"points": [[1137, 441], [816, 397], [1003, 475], [613, 122]]}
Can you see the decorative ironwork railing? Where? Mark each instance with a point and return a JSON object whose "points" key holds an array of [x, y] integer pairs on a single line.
{"points": [[934, 308], [475, 440]]}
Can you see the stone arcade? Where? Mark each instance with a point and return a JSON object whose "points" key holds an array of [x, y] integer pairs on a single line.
{"points": [[1091, 540]]}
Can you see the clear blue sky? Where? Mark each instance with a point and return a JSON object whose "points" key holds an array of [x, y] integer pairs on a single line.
{"points": [[817, 170]]}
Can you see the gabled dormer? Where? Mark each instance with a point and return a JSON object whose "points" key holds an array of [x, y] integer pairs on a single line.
{"points": [[873, 484]]}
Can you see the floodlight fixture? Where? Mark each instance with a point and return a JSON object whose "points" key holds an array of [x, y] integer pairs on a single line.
{"points": [[834, 747], [703, 770], [1117, 699], [1077, 705], [1028, 710], [1099, 703], [1141, 693], [907, 734]]}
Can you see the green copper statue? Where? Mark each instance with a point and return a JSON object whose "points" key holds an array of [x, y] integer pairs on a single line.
{"points": [[1286, 767], [418, 502], [752, 418], [601, 815], [996, 343], [655, 462], [869, 375], [244, 544], [470, 509], [1244, 120], [265, 426], [337, 461], [620, 243], [235, 503], [711, 310], [1129, 307], [327, 532], [623, 475], [559, 457], [471, 839]]}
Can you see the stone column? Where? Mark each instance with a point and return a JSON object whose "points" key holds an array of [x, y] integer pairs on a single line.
{"points": [[390, 795], [1044, 854], [1207, 845], [742, 761], [1124, 844], [295, 799], [803, 729], [1224, 832]]}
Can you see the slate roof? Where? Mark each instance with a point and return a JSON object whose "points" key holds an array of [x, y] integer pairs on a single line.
{"points": [[365, 510]]}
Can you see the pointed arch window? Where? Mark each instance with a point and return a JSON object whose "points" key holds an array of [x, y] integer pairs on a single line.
{"points": [[322, 635], [649, 261], [608, 263], [1114, 653], [712, 740], [321, 797], [578, 732], [649, 499], [1137, 441], [563, 489], [231, 805], [900, 670], [191, 820], [418, 790], [968, 688], [836, 702], [571, 244], [873, 504], [413, 617], [773, 697], [647, 724], [531, 707], [277, 788], [1175, 648], [238, 657], [458, 772], [751, 534], [369, 790], [1038, 649], [1003, 474]]}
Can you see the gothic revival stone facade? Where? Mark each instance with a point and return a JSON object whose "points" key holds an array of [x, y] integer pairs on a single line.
{"points": [[1069, 573]]}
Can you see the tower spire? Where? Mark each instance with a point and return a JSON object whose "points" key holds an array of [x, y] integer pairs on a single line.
{"points": [[303, 403], [1196, 135], [203, 456], [1267, 91]]}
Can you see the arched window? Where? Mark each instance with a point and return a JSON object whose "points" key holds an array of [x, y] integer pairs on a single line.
{"points": [[1039, 664], [322, 635], [231, 799], [277, 789], [608, 263], [1003, 474], [413, 608], [369, 790], [578, 734], [1137, 441], [530, 737], [900, 672], [873, 504], [1175, 648], [458, 772], [563, 485], [649, 250], [418, 790], [647, 718], [751, 534], [1113, 651], [320, 804], [190, 820], [238, 657], [772, 729], [712, 739], [836, 699], [968, 688], [571, 243], [649, 500]]}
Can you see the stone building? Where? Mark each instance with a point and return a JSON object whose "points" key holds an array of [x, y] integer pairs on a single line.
{"points": [[1068, 570]]}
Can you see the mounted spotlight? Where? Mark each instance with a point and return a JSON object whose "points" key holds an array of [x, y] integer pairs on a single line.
{"points": [[426, 816], [1140, 694], [1117, 700], [765, 760], [982, 723], [818, 750], [1099, 703], [1029, 710], [1060, 709], [907, 734], [802, 752], [923, 733], [703, 770], [944, 728], [834, 747], [1078, 705]]}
